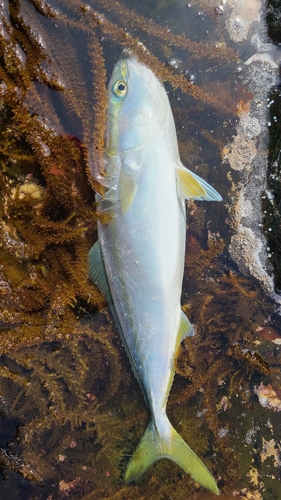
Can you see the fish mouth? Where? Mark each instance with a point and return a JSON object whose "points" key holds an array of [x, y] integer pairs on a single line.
{"points": [[135, 68]]}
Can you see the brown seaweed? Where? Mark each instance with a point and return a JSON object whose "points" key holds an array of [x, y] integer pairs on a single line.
{"points": [[47, 211]]}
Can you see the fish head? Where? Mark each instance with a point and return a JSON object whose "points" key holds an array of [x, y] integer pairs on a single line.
{"points": [[137, 106]]}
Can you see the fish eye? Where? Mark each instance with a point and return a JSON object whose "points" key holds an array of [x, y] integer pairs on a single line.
{"points": [[120, 88]]}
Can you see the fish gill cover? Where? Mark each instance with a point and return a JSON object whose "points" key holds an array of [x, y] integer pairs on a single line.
{"points": [[71, 411]]}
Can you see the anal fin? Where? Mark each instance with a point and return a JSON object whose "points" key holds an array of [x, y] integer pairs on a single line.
{"points": [[185, 329]]}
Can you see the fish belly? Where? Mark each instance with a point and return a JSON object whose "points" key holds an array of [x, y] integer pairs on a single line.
{"points": [[143, 252]]}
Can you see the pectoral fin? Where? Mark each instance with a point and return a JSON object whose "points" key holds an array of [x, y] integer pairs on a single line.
{"points": [[127, 189], [192, 186]]}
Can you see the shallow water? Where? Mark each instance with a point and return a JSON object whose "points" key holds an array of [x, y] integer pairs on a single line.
{"points": [[71, 410]]}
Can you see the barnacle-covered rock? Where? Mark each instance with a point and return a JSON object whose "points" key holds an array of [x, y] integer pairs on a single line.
{"points": [[253, 242], [268, 397]]}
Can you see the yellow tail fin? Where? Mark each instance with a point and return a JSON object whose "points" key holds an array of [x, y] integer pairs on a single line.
{"points": [[154, 446]]}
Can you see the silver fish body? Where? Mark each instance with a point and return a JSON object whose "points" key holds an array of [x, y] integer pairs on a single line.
{"points": [[139, 260]]}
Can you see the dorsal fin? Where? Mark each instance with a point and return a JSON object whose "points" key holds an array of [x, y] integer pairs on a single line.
{"points": [[97, 273]]}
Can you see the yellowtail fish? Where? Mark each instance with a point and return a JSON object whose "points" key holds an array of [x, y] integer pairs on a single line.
{"points": [[138, 261]]}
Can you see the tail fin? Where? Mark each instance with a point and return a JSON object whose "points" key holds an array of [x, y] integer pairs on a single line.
{"points": [[154, 446]]}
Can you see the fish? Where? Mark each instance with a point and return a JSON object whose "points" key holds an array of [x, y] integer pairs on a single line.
{"points": [[138, 260]]}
